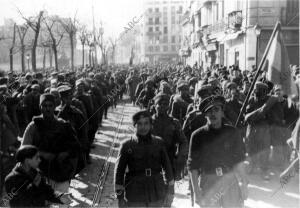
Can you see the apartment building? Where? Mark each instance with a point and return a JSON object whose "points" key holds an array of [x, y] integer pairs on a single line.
{"points": [[236, 32], [161, 31]]}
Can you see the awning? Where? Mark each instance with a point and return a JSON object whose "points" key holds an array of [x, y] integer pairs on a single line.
{"points": [[211, 47], [232, 36], [218, 36]]}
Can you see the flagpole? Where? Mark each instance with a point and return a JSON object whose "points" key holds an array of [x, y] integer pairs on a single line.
{"points": [[277, 26]]}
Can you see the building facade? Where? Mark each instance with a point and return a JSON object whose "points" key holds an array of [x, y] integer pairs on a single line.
{"points": [[161, 31], [236, 32]]}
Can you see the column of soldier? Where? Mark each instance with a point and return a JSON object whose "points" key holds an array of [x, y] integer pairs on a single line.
{"points": [[188, 126], [48, 125], [180, 129]]}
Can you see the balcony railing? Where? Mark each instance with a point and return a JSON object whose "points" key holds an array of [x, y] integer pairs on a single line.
{"points": [[235, 19], [154, 33], [219, 26]]}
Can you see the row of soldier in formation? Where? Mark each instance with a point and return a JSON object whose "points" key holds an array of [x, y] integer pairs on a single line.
{"points": [[187, 119], [49, 122], [57, 117]]}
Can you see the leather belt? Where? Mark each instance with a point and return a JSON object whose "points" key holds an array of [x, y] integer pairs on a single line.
{"points": [[148, 172]]}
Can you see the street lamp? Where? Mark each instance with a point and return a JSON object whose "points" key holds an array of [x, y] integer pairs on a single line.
{"points": [[257, 30], [28, 57]]}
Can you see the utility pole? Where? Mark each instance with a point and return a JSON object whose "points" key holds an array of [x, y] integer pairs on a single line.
{"points": [[94, 32]]}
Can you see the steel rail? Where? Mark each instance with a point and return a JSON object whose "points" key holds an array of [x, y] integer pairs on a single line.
{"points": [[104, 170]]}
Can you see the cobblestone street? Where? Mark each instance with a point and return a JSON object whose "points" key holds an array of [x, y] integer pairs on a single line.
{"points": [[261, 193]]}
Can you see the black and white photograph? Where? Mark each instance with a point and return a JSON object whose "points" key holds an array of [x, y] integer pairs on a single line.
{"points": [[149, 103]]}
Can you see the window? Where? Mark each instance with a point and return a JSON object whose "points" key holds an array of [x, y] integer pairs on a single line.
{"points": [[165, 30], [150, 29], [157, 40], [180, 9], [173, 19], [150, 48], [173, 9], [165, 9], [150, 10], [156, 9], [165, 20], [173, 48], [165, 39], [157, 48], [173, 38], [179, 39], [150, 21], [156, 20], [157, 29], [165, 48]]}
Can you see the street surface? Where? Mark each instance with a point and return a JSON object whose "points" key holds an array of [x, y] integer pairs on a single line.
{"points": [[262, 194]]}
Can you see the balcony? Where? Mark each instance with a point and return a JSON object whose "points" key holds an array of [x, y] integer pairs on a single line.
{"points": [[153, 14], [153, 33], [219, 26], [235, 19]]}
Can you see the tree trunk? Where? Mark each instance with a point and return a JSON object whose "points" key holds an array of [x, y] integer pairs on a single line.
{"points": [[11, 50], [11, 59], [90, 57], [44, 58], [55, 56], [50, 57], [23, 56], [82, 55], [33, 57], [72, 51]]}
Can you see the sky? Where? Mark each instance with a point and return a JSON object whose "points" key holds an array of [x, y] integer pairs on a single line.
{"points": [[115, 14]]}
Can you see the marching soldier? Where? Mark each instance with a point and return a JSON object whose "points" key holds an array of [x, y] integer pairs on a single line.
{"points": [[180, 102], [145, 156], [169, 129], [216, 154]]}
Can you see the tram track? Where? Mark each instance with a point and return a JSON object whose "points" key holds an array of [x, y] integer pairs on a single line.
{"points": [[104, 170]]}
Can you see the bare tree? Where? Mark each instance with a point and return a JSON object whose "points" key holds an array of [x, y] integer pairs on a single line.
{"points": [[11, 55], [113, 48], [131, 56], [55, 37], [22, 30], [35, 24], [70, 26], [99, 41], [83, 39]]}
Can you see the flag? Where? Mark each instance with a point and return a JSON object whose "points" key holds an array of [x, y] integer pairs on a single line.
{"points": [[278, 66]]}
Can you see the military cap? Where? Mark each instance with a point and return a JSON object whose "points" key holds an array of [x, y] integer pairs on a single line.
{"points": [[54, 74], [231, 85], [38, 75], [213, 81], [193, 80], [205, 88], [209, 102], [141, 114], [3, 87], [149, 82], [28, 76], [261, 85], [64, 90], [3, 80], [79, 82], [35, 86], [161, 97], [182, 85], [46, 97]]}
